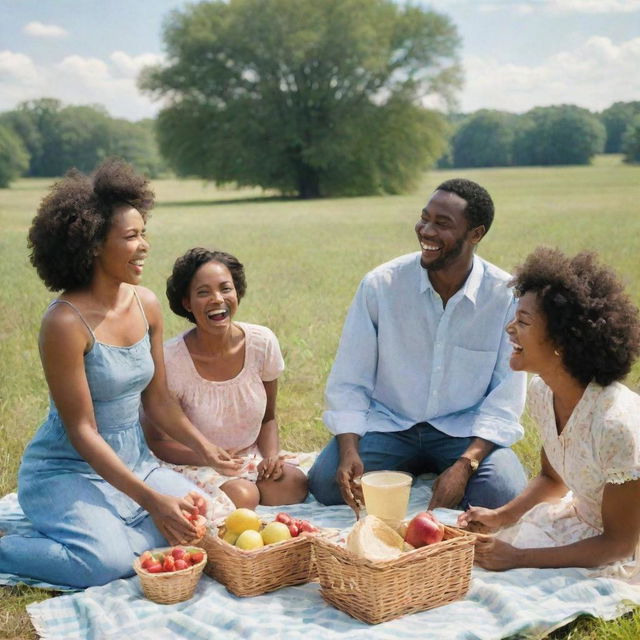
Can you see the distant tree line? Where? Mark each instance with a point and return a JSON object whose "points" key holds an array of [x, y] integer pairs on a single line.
{"points": [[556, 135], [44, 138]]}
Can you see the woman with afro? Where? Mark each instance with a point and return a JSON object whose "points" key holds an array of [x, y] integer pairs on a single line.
{"points": [[88, 483], [578, 331]]}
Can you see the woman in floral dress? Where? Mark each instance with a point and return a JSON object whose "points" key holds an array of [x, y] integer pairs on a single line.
{"points": [[577, 329]]}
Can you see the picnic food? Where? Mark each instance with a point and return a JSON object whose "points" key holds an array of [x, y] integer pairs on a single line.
{"points": [[242, 519], [296, 526], [424, 529], [374, 540], [249, 540], [275, 532], [172, 559], [170, 574]]}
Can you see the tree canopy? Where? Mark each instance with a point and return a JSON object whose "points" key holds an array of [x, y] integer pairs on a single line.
{"points": [[314, 97], [631, 141], [14, 158], [616, 119], [58, 137], [563, 134]]}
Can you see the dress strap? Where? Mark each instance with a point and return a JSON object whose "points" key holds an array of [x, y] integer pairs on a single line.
{"points": [[86, 324], [144, 315]]}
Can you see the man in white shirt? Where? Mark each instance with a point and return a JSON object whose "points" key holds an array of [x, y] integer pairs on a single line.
{"points": [[421, 381]]}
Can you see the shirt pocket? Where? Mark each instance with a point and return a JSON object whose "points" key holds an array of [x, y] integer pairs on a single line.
{"points": [[469, 377]]}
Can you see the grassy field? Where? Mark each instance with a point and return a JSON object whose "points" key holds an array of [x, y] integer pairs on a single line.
{"points": [[303, 262]]}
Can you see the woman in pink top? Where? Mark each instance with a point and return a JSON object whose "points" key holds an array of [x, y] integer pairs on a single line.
{"points": [[225, 376]]}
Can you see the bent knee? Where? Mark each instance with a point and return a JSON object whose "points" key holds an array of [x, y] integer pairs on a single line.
{"points": [[243, 493], [291, 488]]}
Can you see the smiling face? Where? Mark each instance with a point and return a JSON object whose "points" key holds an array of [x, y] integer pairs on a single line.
{"points": [[533, 350], [122, 254], [444, 234], [212, 297]]}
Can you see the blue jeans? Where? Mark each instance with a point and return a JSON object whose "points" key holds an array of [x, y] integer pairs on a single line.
{"points": [[423, 449]]}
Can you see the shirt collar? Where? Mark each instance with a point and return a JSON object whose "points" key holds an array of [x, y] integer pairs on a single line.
{"points": [[470, 287]]}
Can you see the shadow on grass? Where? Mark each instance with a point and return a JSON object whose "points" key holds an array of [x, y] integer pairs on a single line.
{"points": [[213, 203]]}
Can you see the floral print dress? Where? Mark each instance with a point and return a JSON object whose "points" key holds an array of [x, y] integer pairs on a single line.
{"points": [[599, 445]]}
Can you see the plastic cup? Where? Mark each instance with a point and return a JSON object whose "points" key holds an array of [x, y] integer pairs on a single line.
{"points": [[386, 495]]}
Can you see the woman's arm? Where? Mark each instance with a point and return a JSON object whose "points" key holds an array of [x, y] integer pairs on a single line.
{"points": [[545, 487], [268, 441], [164, 412], [621, 524], [63, 342]]}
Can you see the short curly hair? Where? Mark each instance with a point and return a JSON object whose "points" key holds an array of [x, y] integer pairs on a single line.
{"points": [[590, 318], [480, 209], [75, 217], [185, 268]]}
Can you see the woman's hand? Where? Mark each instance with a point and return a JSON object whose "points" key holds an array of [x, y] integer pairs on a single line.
{"points": [[495, 555], [225, 462], [168, 514], [481, 520], [198, 502], [270, 468]]}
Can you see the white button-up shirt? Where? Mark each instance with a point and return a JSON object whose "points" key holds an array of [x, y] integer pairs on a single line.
{"points": [[403, 358]]}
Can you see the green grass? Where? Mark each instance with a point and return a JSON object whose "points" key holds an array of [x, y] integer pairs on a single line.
{"points": [[303, 262]]}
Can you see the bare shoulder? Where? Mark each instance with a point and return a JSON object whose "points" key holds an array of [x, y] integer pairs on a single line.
{"points": [[63, 325], [150, 303]]}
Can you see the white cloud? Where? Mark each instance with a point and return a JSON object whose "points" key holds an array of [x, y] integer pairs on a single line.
{"points": [[593, 6], [40, 30], [77, 80], [524, 7], [132, 65], [594, 75]]}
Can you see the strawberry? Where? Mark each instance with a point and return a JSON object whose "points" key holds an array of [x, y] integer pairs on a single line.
{"points": [[181, 564], [285, 518], [168, 564], [303, 525], [154, 568], [294, 530], [178, 553], [196, 556]]}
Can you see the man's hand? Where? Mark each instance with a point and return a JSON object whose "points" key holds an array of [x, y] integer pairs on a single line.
{"points": [[449, 487], [348, 476]]}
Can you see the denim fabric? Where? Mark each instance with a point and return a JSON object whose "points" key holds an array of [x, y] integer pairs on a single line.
{"points": [[423, 449], [88, 532]]}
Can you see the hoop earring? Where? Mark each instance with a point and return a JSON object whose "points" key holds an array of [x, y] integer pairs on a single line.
{"points": [[556, 352]]}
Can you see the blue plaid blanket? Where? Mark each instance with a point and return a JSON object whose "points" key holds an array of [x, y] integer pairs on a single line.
{"points": [[522, 603]]}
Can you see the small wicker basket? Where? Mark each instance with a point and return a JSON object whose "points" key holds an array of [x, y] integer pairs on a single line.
{"points": [[251, 573], [421, 579], [170, 587]]}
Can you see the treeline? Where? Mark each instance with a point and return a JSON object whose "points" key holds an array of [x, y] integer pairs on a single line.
{"points": [[557, 135], [43, 138]]}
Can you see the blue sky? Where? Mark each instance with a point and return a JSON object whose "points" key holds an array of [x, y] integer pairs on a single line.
{"points": [[516, 54]]}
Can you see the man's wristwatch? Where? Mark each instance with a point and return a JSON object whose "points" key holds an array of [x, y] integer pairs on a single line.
{"points": [[472, 463]]}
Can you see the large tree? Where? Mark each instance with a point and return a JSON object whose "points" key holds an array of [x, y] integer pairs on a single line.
{"points": [[631, 141], [314, 97]]}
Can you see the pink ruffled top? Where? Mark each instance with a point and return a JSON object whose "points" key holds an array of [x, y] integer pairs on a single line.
{"points": [[229, 412]]}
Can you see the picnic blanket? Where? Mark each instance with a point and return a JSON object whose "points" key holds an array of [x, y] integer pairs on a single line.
{"points": [[522, 603]]}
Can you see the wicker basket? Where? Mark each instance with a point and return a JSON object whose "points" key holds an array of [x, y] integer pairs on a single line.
{"points": [[417, 580], [251, 573], [171, 587]]}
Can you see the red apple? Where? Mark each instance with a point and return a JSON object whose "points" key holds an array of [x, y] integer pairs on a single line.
{"points": [[424, 529]]}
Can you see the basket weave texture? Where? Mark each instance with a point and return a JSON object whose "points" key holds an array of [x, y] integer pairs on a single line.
{"points": [[170, 587], [251, 573], [421, 579]]}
